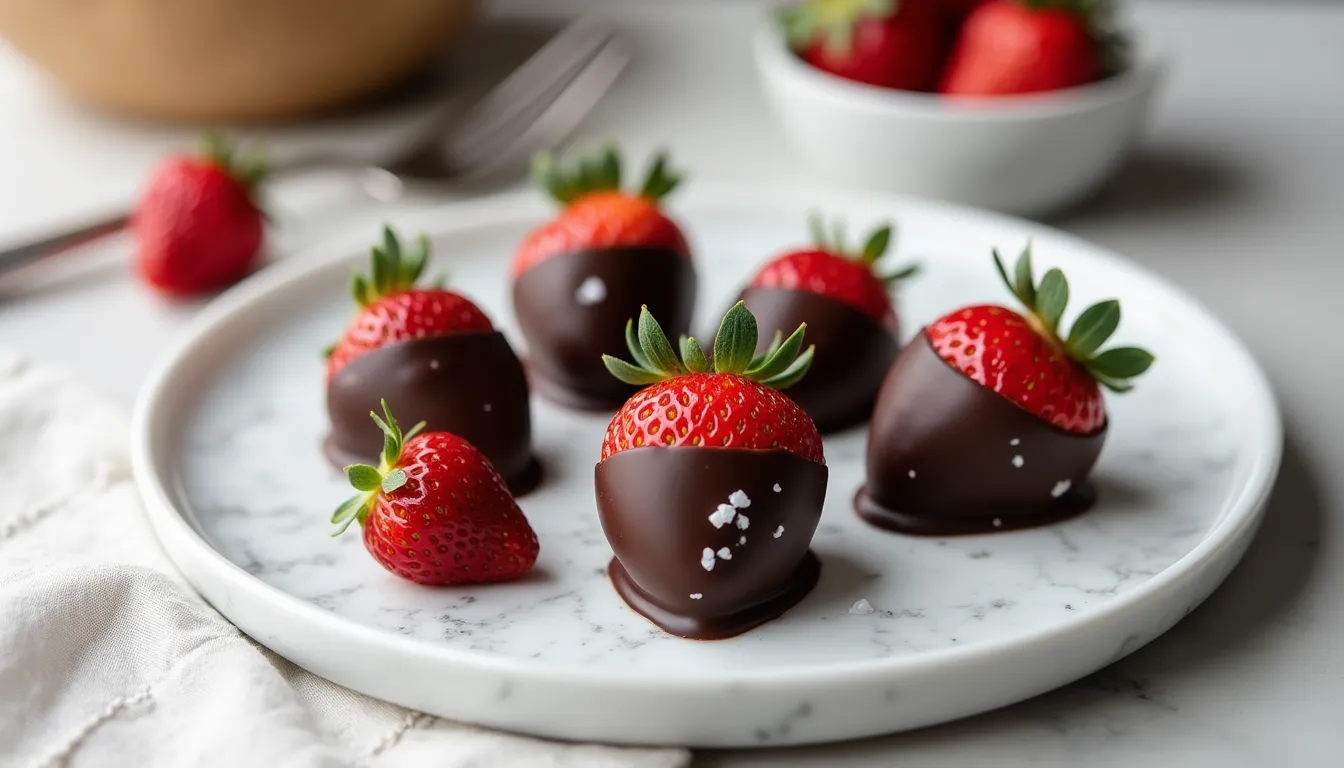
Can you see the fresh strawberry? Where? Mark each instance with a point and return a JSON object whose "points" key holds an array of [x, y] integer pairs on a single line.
{"points": [[731, 402], [597, 213], [198, 227], [830, 269], [1009, 47], [1026, 360], [392, 309], [434, 511], [887, 43]]}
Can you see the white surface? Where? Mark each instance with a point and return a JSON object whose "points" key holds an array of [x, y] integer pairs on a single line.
{"points": [[226, 442], [1030, 156], [107, 658], [1235, 196]]}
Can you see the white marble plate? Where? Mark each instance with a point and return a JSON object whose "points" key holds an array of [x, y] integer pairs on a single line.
{"points": [[226, 452]]}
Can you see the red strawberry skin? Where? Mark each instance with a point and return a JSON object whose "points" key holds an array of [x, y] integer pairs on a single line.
{"points": [[197, 228], [833, 276], [1006, 48], [411, 314], [721, 410], [602, 219], [1000, 350], [902, 51], [453, 522]]}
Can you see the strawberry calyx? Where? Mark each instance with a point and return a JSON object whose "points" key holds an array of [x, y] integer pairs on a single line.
{"points": [[780, 366], [584, 174], [248, 168], [831, 21], [1045, 302], [873, 249], [369, 481], [393, 269]]}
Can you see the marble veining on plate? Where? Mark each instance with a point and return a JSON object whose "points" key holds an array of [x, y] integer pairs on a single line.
{"points": [[253, 478]]}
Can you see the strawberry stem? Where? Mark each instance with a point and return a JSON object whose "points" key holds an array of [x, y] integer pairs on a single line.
{"points": [[370, 481], [598, 172], [655, 360], [831, 22], [1045, 303], [249, 168], [392, 268], [874, 248]]}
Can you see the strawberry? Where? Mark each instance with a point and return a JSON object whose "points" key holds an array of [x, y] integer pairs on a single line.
{"points": [[1008, 47], [887, 43], [435, 512], [732, 402], [830, 269], [597, 214], [1026, 360], [198, 227], [392, 309]]}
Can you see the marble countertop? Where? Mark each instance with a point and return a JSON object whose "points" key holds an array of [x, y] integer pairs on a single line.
{"points": [[1236, 196]]}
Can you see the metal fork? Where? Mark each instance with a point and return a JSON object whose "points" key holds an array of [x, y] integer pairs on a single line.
{"points": [[534, 108]]}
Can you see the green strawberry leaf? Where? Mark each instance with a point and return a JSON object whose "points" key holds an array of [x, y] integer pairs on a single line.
{"points": [[735, 343], [1120, 363], [394, 480], [662, 358], [363, 477], [876, 246], [630, 374], [795, 372], [692, 356], [1092, 328], [1051, 299], [1024, 281], [779, 360], [632, 343]]}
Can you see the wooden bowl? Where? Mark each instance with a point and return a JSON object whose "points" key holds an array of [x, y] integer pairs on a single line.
{"points": [[229, 60]]}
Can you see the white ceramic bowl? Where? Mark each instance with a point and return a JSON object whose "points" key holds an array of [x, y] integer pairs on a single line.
{"points": [[1026, 155]]}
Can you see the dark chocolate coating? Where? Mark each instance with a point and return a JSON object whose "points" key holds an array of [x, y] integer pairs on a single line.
{"points": [[566, 337], [655, 506], [853, 353], [958, 439], [470, 384]]}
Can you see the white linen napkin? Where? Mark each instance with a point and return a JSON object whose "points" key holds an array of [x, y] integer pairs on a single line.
{"points": [[107, 658]]}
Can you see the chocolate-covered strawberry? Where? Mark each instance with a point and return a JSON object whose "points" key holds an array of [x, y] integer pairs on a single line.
{"points": [[434, 511], [711, 480], [436, 357], [579, 276], [991, 419], [845, 300]]}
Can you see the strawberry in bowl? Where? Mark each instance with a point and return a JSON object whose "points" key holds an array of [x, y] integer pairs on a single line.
{"points": [[991, 419], [434, 510], [579, 276], [711, 481], [844, 298], [436, 357], [886, 43]]}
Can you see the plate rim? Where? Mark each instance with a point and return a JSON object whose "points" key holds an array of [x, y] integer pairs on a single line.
{"points": [[171, 524]]}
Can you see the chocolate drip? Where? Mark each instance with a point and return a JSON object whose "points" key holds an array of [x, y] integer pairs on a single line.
{"points": [[656, 505], [948, 456]]}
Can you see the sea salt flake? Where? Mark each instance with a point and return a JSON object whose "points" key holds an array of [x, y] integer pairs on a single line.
{"points": [[777, 488], [722, 516], [1015, 441], [591, 291], [1061, 488], [998, 523], [488, 407], [696, 595], [861, 608], [742, 522], [434, 365], [707, 559], [725, 553], [741, 540], [912, 474], [1018, 461], [739, 499], [779, 531]]}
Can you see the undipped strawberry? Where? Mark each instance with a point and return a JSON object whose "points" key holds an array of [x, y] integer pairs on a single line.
{"points": [[887, 43], [1009, 47], [198, 226], [831, 269], [732, 401], [1026, 358], [435, 512], [597, 213], [392, 309]]}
